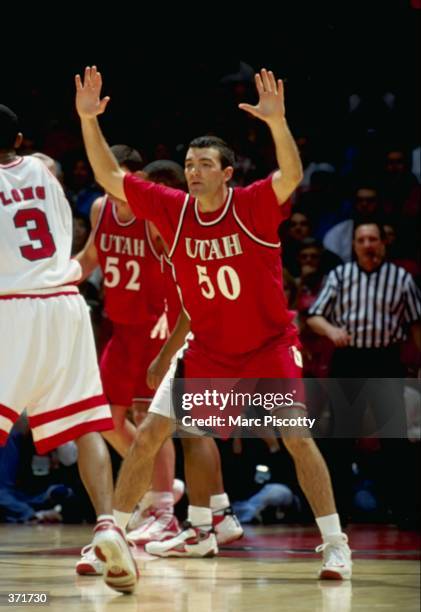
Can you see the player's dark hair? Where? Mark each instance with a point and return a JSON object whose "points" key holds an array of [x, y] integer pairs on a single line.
{"points": [[167, 172], [9, 127], [226, 154], [128, 156]]}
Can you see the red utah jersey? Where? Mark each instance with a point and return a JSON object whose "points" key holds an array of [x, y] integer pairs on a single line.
{"points": [[227, 263], [132, 268]]}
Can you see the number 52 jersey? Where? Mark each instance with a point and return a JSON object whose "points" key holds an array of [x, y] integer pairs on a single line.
{"points": [[35, 229], [132, 268]]}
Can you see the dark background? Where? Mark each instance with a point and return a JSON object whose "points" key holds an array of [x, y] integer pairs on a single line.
{"points": [[164, 76]]}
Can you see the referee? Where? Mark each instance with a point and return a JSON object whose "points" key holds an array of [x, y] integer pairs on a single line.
{"points": [[366, 309]]}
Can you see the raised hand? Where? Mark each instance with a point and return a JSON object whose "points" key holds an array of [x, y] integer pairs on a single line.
{"points": [[270, 106], [88, 102]]}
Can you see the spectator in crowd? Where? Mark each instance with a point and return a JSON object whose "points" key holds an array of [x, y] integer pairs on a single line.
{"points": [[81, 230], [401, 191], [298, 229], [340, 237], [81, 189], [317, 350]]}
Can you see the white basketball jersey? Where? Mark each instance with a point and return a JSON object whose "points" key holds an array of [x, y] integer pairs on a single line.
{"points": [[35, 229]]}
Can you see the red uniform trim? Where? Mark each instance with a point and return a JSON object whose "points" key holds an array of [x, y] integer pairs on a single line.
{"points": [[60, 413], [47, 444], [13, 163], [8, 413], [3, 437]]}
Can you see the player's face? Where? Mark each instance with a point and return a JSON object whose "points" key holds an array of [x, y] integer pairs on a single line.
{"points": [[368, 246], [203, 171]]}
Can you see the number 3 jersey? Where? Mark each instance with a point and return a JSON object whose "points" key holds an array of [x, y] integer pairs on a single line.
{"points": [[132, 268], [227, 263], [35, 229]]}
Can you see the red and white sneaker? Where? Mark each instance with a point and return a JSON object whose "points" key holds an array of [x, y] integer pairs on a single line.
{"points": [[111, 547], [337, 564], [191, 542], [89, 564], [141, 516], [227, 527], [159, 527]]}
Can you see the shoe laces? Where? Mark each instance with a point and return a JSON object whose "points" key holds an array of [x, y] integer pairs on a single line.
{"points": [[335, 547], [185, 525]]}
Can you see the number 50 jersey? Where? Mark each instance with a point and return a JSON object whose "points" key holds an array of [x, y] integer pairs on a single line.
{"points": [[35, 229]]}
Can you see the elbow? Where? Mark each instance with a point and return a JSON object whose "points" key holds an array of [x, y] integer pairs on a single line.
{"points": [[297, 177], [293, 181], [309, 321]]}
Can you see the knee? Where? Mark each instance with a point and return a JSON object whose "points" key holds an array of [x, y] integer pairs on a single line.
{"points": [[202, 447], [140, 410], [119, 416], [297, 446]]}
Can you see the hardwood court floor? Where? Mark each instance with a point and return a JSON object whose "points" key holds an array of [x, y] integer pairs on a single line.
{"points": [[271, 569]]}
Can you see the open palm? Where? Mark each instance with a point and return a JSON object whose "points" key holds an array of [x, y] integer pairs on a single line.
{"points": [[271, 98], [88, 101]]}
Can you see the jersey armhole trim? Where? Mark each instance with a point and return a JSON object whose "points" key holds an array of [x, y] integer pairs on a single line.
{"points": [[150, 242], [180, 224], [100, 215], [272, 245]]}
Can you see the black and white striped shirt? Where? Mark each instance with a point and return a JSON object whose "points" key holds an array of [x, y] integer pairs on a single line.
{"points": [[374, 307]]}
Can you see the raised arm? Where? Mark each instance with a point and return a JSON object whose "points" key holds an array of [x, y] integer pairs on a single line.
{"points": [[89, 105], [271, 109]]}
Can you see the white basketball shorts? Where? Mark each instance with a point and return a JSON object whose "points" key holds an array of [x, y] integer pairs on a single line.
{"points": [[48, 366]]}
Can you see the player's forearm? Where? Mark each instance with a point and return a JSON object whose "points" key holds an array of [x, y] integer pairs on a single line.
{"points": [[87, 263], [287, 154], [106, 169], [177, 337]]}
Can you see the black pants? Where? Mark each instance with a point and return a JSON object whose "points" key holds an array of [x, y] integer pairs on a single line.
{"points": [[368, 385], [371, 380]]}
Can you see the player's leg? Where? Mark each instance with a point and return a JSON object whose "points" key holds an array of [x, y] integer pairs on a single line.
{"points": [[122, 436], [313, 474], [202, 468], [154, 517], [119, 383], [71, 405], [226, 525]]}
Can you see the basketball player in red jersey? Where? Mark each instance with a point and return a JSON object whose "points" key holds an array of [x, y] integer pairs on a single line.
{"points": [[48, 362], [224, 247]]}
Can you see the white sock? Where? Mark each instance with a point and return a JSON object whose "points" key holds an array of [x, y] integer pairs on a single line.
{"points": [[105, 517], [145, 502], [219, 502], [162, 500], [200, 517], [122, 518], [329, 525]]}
